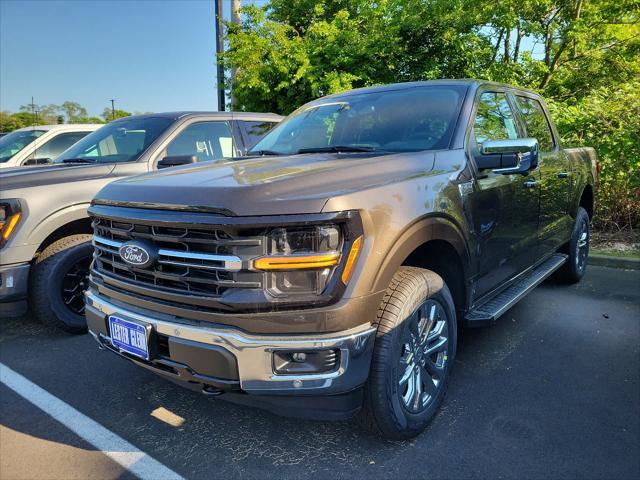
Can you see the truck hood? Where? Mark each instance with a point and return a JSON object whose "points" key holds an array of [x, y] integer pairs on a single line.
{"points": [[265, 185], [26, 177]]}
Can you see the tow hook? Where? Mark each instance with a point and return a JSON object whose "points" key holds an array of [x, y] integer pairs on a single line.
{"points": [[210, 391]]}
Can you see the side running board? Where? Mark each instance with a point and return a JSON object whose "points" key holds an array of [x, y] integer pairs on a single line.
{"points": [[490, 311]]}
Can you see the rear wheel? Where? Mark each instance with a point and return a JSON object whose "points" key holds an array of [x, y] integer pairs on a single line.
{"points": [[413, 354], [60, 277], [573, 270]]}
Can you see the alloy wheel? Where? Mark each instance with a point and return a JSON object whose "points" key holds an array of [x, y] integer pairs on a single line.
{"points": [[74, 282], [423, 357], [582, 250]]}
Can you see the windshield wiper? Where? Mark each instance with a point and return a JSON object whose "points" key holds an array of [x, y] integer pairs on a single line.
{"points": [[264, 152], [78, 160], [337, 149]]}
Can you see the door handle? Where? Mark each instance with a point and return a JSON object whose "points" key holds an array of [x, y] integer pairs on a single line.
{"points": [[563, 175], [530, 183]]}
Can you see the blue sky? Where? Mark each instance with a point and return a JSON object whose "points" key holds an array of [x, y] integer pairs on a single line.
{"points": [[148, 55]]}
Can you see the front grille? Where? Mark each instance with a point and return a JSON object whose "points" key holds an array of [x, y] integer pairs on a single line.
{"points": [[202, 262]]}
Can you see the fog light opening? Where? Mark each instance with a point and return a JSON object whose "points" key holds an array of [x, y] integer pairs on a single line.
{"points": [[305, 362]]}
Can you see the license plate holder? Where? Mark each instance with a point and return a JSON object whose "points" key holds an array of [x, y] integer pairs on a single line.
{"points": [[130, 336]]}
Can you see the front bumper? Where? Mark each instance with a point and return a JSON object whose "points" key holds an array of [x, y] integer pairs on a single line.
{"points": [[229, 359], [14, 280]]}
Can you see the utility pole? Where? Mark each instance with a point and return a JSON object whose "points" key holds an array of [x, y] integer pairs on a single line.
{"points": [[235, 18], [219, 52], [113, 109], [33, 111]]}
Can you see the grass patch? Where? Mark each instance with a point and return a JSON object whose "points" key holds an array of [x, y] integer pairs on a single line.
{"points": [[616, 253]]}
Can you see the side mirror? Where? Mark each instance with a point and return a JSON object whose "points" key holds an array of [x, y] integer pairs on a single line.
{"points": [[38, 161], [509, 156], [175, 160]]}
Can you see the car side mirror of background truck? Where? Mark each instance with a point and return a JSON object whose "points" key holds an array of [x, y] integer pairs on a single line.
{"points": [[175, 160], [509, 156]]}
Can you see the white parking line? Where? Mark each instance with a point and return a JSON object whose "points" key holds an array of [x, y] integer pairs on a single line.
{"points": [[113, 446]]}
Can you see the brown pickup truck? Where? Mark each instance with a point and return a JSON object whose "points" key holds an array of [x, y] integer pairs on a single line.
{"points": [[326, 274]]}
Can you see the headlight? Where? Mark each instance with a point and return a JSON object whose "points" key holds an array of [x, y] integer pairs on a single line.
{"points": [[10, 214], [300, 260]]}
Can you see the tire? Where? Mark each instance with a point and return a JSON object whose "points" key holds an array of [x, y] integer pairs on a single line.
{"points": [[62, 265], [576, 265], [393, 406]]}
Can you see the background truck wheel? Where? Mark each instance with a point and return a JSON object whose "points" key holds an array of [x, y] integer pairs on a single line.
{"points": [[59, 279], [573, 270], [413, 355]]}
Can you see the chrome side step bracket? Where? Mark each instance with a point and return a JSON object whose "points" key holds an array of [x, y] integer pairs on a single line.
{"points": [[491, 310]]}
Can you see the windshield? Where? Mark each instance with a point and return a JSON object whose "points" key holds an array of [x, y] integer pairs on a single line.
{"points": [[404, 120], [13, 142], [120, 141]]}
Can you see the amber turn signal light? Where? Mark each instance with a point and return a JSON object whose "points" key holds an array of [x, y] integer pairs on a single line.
{"points": [[297, 262], [351, 259], [10, 225]]}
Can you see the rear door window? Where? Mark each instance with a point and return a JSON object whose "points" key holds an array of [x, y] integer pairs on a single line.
{"points": [[536, 122]]}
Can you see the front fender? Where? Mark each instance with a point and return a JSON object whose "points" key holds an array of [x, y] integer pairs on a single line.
{"points": [[423, 230], [53, 222]]}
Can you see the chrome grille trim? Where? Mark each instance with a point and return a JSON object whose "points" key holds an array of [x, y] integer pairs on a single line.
{"points": [[229, 263]]}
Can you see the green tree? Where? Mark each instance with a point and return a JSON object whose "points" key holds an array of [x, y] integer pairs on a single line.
{"points": [[73, 111], [108, 115], [608, 119], [12, 121], [582, 55], [93, 120], [43, 114], [291, 52]]}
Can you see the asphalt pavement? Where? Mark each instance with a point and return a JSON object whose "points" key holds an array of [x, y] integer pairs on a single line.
{"points": [[551, 391]]}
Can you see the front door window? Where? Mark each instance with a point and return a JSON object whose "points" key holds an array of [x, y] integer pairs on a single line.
{"points": [[206, 140]]}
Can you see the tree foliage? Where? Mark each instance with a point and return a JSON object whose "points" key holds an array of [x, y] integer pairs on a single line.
{"points": [[74, 112], [29, 115], [109, 115], [580, 54], [609, 120]]}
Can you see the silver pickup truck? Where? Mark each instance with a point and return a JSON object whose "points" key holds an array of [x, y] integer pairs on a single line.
{"points": [[45, 232]]}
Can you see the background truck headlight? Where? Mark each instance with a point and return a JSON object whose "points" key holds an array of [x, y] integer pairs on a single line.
{"points": [[10, 214]]}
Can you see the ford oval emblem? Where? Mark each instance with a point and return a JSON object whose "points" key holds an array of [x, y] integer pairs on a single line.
{"points": [[137, 254]]}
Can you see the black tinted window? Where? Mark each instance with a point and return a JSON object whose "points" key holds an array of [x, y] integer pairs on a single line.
{"points": [[406, 119], [254, 131], [494, 118], [535, 122]]}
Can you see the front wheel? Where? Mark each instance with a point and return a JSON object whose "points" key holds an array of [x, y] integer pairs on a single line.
{"points": [[413, 355], [58, 281]]}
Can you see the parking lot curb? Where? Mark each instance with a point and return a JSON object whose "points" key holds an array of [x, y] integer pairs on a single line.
{"points": [[632, 263]]}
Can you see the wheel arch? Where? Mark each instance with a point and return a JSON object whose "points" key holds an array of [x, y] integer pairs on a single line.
{"points": [[69, 221], [435, 243], [586, 200]]}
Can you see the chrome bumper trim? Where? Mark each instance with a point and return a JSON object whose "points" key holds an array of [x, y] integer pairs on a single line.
{"points": [[254, 353]]}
